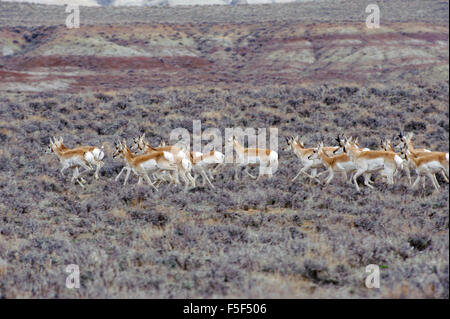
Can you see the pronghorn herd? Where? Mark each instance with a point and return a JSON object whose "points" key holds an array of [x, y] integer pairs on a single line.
{"points": [[170, 163]]}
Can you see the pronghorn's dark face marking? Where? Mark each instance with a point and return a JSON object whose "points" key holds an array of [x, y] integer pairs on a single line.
{"points": [[118, 150], [341, 144], [289, 141], [313, 155], [49, 149]]}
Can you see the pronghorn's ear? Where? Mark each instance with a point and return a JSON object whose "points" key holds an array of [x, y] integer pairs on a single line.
{"points": [[143, 136], [338, 139]]}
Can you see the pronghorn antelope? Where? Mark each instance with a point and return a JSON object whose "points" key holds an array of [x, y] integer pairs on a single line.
{"points": [[410, 154], [335, 164], [428, 165], [371, 161], [184, 165], [202, 163], [407, 145], [303, 154], [266, 159], [83, 156], [142, 164], [387, 146]]}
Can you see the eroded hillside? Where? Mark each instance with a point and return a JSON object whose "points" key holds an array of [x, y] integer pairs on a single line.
{"points": [[154, 55]]}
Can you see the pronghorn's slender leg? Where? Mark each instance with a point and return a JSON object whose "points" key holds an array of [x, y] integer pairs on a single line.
{"points": [[149, 181], [237, 170], [408, 174], [192, 180], [357, 174], [320, 173], [367, 181], [330, 176], [298, 174], [416, 181], [205, 177], [303, 171], [117, 177], [433, 180], [75, 174], [436, 181], [79, 182], [246, 171], [344, 172], [314, 171], [126, 177], [445, 176], [99, 165], [65, 166]]}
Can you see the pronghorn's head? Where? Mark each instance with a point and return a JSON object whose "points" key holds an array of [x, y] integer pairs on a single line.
{"points": [[289, 143], [119, 149], [51, 147], [405, 140], [341, 143], [316, 152], [139, 142], [348, 143], [55, 144]]}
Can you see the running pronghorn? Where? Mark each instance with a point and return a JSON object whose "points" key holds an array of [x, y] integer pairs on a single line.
{"points": [[428, 164], [142, 164], [184, 165], [82, 156], [340, 163], [368, 162], [387, 146], [407, 146], [202, 163], [266, 159], [303, 153]]}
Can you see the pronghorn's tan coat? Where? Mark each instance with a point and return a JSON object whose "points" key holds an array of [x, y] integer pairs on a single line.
{"points": [[340, 163], [428, 165], [264, 158]]}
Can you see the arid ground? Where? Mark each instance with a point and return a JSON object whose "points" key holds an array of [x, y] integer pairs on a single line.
{"points": [[309, 69]]}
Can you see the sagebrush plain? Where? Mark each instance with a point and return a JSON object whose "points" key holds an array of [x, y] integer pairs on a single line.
{"points": [[245, 239]]}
